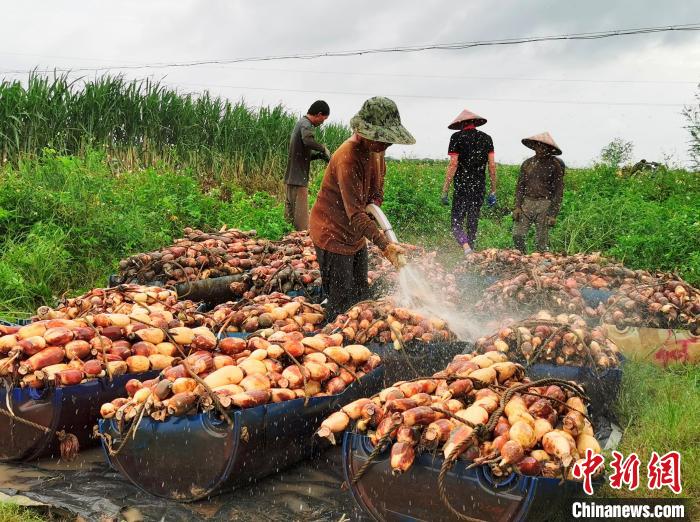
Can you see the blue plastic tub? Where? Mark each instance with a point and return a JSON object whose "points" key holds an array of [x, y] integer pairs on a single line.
{"points": [[193, 457], [416, 359], [74, 409], [594, 296], [602, 387], [413, 496]]}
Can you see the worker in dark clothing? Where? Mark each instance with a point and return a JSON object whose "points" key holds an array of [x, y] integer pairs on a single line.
{"points": [[303, 148], [470, 151], [539, 191], [340, 225]]}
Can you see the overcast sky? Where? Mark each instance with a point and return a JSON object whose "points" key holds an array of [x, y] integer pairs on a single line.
{"points": [[583, 92]]}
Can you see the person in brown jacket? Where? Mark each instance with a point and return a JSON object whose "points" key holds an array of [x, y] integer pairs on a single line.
{"points": [[339, 225], [539, 192]]}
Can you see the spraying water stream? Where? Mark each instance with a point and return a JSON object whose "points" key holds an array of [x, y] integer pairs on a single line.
{"points": [[415, 292]]}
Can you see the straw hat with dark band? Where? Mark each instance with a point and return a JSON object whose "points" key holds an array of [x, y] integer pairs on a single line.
{"points": [[542, 139], [464, 117]]}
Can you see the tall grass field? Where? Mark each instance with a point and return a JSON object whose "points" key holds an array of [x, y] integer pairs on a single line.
{"points": [[142, 123]]}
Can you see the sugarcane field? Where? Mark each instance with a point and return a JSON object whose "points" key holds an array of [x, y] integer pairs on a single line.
{"points": [[393, 261]]}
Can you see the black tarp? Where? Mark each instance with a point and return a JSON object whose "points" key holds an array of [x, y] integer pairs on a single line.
{"points": [[88, 488]]}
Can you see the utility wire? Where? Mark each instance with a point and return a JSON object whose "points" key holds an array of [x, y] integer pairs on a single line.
{"points": [[426, 96], [399, 49]]}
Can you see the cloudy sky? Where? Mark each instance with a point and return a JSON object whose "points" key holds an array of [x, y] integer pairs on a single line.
{"points": [[583, 92]]}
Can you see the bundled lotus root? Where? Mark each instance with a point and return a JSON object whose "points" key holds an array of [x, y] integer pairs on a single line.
{"points": [[555, 282], [68, 351], [561, 340], [291, 266], [668, 303], [276, 311], [246, 373], [480, 408], [502, 263], [123, 299], [383, 322], [198, 255]]}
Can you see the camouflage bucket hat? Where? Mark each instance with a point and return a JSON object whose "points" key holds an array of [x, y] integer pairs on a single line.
{"points": [[379, 120]]}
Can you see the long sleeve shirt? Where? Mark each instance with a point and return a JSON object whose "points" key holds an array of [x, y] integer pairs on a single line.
{"points": [[541, 177], [339, 223], [376, 189], [303, 148]]}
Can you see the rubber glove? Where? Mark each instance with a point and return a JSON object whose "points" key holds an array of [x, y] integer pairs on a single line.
{"points": [[445, 199], [395, 253], [491, 200]]}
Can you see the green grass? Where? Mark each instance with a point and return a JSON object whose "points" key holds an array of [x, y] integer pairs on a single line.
{"points": [[10, 512], [660, 411]]}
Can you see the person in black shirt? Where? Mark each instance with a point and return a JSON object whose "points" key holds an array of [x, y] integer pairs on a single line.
{"points": [[470, 151]]}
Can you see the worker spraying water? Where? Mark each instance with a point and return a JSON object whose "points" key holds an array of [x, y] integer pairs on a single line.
{"points": [[340, 225]]}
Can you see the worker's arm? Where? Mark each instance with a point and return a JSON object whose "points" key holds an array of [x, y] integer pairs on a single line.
{"points": [[308, 138], [520, 186], [557, 190], [350, 183], [450, 174], [376, 188], [492, 171]]}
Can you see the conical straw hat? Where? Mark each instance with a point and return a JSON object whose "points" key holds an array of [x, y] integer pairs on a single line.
{"points": [[544, 138], [466, 116]]}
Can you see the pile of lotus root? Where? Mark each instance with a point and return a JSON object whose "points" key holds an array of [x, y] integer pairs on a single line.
{"points": [[124, 299], [480, 408], [276, 311], [668, 303], [561, 340], [384, 322], [65, 352], [244, 373], [198, 255], [556, 281]]}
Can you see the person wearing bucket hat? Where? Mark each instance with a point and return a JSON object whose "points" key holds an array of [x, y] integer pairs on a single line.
{"points": [[470, 151], [340, 226], [539, 191], [303, 149]]}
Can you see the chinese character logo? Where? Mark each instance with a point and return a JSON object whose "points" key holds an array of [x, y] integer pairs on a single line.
{"points": [[586, 468], [665, 471], [625, 471]]}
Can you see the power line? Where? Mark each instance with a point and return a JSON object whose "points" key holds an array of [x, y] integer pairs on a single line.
{"points": [[453, 77], [399, 49], [426, 96]]}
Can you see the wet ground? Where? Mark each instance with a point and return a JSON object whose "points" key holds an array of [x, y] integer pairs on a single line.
{"points": [[88, 488]]}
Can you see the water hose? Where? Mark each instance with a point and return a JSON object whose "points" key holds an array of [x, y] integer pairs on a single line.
{"points": [[381, 219]]}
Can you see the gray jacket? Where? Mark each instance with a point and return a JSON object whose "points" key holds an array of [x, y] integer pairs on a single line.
{"points": [[303, 148]]}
